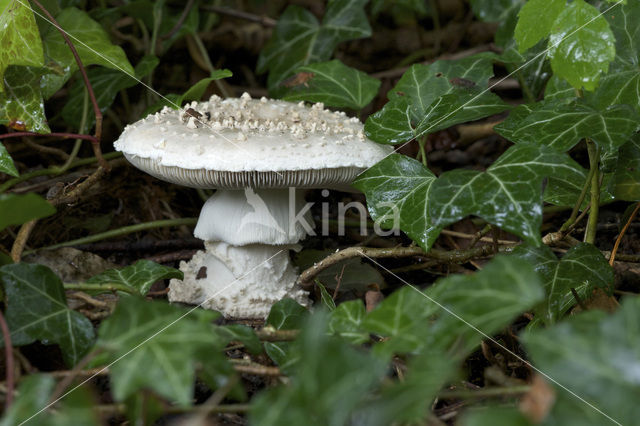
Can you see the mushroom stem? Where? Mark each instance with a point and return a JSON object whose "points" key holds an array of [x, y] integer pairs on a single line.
{"points": [[245, 267]]}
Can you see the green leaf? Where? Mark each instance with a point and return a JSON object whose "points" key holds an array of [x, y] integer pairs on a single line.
{"points": [[17, 209], [21, 105], [502, 290], [581, 45], [139, 277], [106, 84], [562, 125], [582, 268], [345, 321], [623, 19], [19, 37], [327, 300], [90, 40], [594, 355], [564, 187], [416, 99], [397, 190], [495, 416], [286, 314], [535, 21], [326, 388], [243, 334], [37, 310], [508, 194], [194, 93], [627, 173], [299, 39], [332, 83], [411, 399], [6, 163], [493, 10], [167, 340]]}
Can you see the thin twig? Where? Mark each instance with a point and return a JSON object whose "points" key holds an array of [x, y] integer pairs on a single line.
{"points": [[21, 240], [269, 334], [455, 256], [9, 368], [62, 135], [96, 109], [622, 232], [179, 22], [262, 20]]}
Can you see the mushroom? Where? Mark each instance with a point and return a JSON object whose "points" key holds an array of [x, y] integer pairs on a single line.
{"points": [[253, 151]]}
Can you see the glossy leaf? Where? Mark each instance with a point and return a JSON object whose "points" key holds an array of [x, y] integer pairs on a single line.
{"points": [[326, 388], [6, 162], [508, 194], [597, 351], [37, 310], [19, 37], [623, 19], [581, 45], [627, 174], [398, 190], [139, 277], [345, 321], [564, 188], [418, 94], [16, 209], [332, 83], [166, 339], [92, 43], [299, 39], [562, 125], [22, 105], [535, 21], [582, 268], [106, 84]]}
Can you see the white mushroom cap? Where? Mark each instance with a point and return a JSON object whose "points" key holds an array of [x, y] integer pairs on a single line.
{"points": [[243, 142]]}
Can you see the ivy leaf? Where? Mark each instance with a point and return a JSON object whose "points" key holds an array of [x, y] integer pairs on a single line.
{"points": [[167, 340], [345, 321], [37, 310], [623, 19], [94, 48], [106, 84], [19, 37], [582, 268], [581, 45], [535, 21], [286, 314], [418, 92], [6, 163], [332, 83], [139, 277], [194, 93], [502, 290], [299, 39], [16, 209], [398, 189], [21, 104], [34, 392], [508, 194], [241, 333], [562, 125], [564, 189], [457, 107], [598, 351], [627, 173], [324, 389], [495, 416]]}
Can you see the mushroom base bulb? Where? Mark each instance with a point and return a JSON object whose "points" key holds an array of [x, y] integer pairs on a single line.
{"points": [[239, 281]]}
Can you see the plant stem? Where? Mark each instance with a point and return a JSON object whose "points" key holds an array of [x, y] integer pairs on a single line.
{"points": [[592, 222], [576, 207], [122, 231], [485, 392], [622, 232], [101, 287]]}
